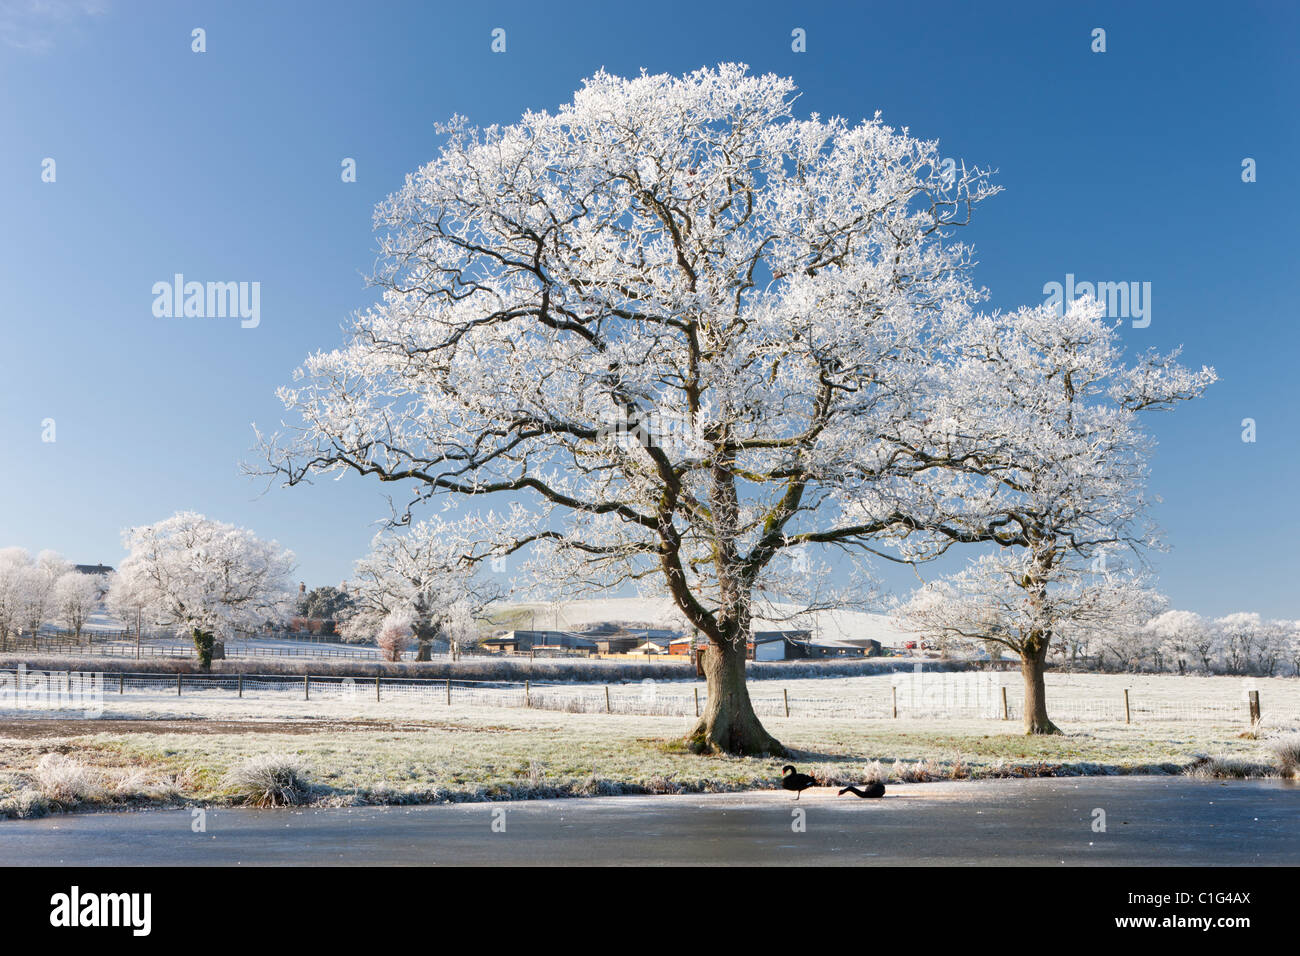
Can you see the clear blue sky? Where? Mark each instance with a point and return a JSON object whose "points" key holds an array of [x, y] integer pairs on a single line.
{"points": [[1122, 166]]}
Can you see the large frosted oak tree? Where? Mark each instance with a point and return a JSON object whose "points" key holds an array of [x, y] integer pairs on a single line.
{"points": [[675, 331]]}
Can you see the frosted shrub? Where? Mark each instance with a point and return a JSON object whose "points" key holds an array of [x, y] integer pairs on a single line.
{"points": [[394, 636], [1228, 768], [268, 781], [65, 780], [1287, 751], [875, 772]]}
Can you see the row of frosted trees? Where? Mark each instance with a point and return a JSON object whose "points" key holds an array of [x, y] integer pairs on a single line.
{"points": [[1173, 642], [211, 580], [44, 590]]}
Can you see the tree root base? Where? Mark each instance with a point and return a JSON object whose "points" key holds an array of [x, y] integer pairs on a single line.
{"points": [[1037, 731], [698, 741]]}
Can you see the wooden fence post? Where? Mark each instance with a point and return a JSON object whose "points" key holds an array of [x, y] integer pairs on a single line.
{"points": [[1128, 716], [178, 683], [121, 683], [1254, 707], [241, 685], [697, 702], [528, 695], [1006, 711], [785, 692], [448, 691], [376, 687], [306, 687], [895, 690], [607, 708]]}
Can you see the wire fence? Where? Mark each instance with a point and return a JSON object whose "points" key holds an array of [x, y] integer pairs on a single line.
{"points": [[123, 645], [20, 686]]}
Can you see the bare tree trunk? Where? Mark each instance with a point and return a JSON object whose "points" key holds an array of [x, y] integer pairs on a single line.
{"points": [[1032, 667], [729, 724]]}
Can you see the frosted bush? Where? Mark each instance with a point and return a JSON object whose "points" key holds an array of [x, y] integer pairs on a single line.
{"points": [[65, 780], [1287, 751], [267, 781]]}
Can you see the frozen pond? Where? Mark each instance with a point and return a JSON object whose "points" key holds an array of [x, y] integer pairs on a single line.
{"points": [[1149, 821]]}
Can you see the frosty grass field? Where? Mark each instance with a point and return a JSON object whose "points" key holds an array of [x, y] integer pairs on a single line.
{"points": [[151, 747]]}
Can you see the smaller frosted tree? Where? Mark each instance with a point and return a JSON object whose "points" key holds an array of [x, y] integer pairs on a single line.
{"points": [[461, 627], [325, 604], [74, 600], [1249, 644], [1062, 463], [1179, 633], [1291, 634], [14, 563], [125, 602], [394, 634], [35, 589], [1274, 647], [426, 575], [998, 599], [206, 577]]}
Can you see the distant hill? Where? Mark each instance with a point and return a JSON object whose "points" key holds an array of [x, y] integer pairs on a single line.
{"points": [[846, 627]]}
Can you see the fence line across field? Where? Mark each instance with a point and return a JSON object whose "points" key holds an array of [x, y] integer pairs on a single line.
{"points": [[175, 649], [664, 699]]}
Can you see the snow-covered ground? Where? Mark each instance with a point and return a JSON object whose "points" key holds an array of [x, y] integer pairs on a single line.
{"points": [[1073, 699]]}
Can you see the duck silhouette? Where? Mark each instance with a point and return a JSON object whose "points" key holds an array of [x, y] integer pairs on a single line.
{"points": [[793, 780], [875, 789]]}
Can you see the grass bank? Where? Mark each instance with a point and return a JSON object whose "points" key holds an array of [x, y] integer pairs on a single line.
{"points": [[504, 754]]}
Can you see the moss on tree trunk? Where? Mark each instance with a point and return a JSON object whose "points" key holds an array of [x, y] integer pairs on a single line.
{"points": [[203, 644]]}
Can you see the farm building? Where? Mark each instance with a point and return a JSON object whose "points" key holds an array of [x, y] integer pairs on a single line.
{"points": [[778, 645], [617, 639], [610, 638], [651, 647], [787, 645], [762, 645], [846, 648], [684, 644], [524, 642]]}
